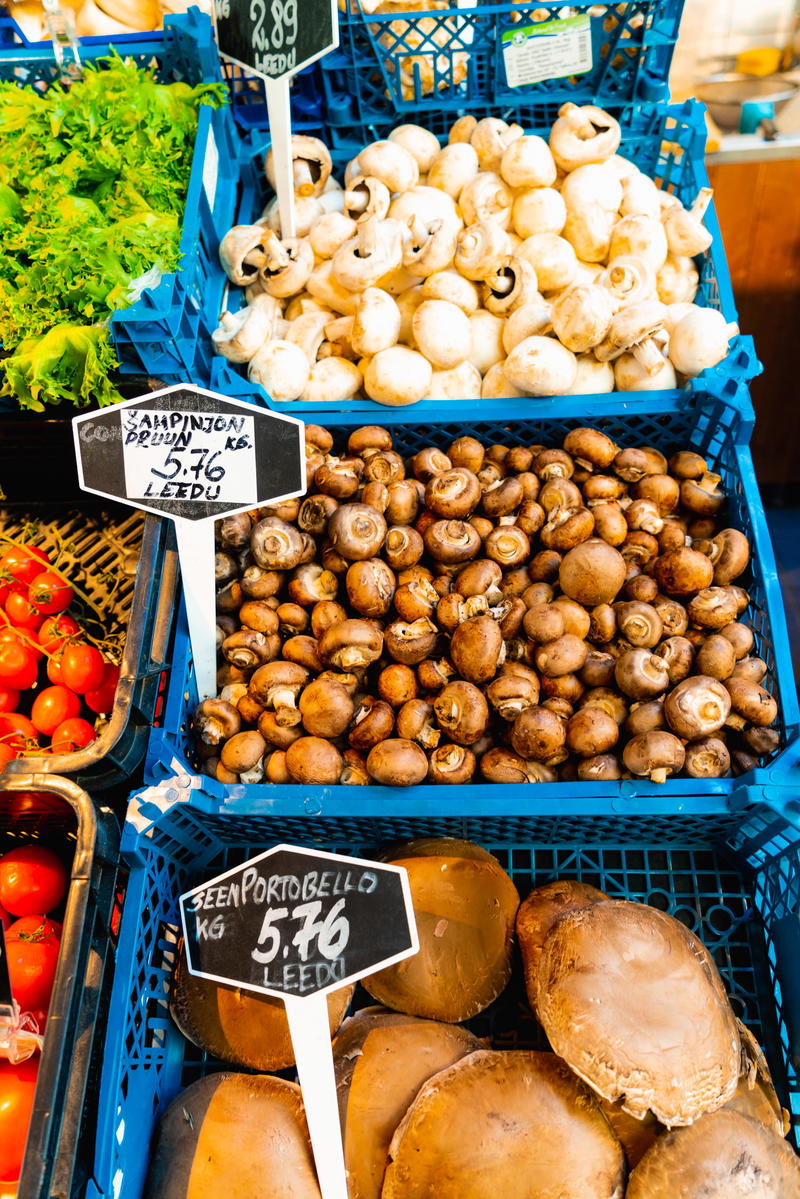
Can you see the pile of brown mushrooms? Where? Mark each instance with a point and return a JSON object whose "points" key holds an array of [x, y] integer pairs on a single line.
{"points": [[507, 613], [499, 265]]}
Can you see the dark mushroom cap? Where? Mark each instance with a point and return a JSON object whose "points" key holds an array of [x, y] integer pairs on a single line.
{"points": [[397, 763], [721, 1155], [632, 1001], [592, 573], [475, 648]]}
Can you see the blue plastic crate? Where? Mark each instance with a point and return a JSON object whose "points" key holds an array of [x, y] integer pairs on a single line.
{"points": [[666, 143], [159, 334], [717, 423], [250, 103], [733, 883], [444, 59]]}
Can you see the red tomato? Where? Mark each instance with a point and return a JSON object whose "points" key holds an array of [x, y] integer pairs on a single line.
{"points": [[9, 699], [32, 880], [73, 734], [36, 924], [82, 668], [56, 630], [17, 1087], [101, 699], [5, 919], [27, 637], [54, 675], [32, 959], [22, 613], [52, 707], [7, 754], [18, 666], [17, 731], [50, 593], [23, 563]]}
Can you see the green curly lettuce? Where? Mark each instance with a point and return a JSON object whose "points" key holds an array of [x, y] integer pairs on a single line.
{"points": [[93, 180]]}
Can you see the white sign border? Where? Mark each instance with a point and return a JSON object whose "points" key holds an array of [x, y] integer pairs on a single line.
{"points": [[250, 409], [311, 853]]}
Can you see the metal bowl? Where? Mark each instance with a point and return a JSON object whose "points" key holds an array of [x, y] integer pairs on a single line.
{"points": [[726, 95]]}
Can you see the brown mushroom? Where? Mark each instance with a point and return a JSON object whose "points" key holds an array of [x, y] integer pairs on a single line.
{"points": [[397, 684], [712, 608], [639, 623], [311, 583], [326, 708], [640, 674], [276, 685], [370, 587], [476, 647], [645, 716], [716, 657], [373, 722], [451, 541], [351, 645], [592, 573], [215, 721], [403, 547], [453, 765], [462, 712], [415, 723], [683, 571], [750, 703], [730, 556], [409, 642], [313, 760], [565, 655], [276, 545], [539, 734], [397, 763], [591, 731], [678, 655], [356, 531], [243, 751], [707, 758], [697, 707]]}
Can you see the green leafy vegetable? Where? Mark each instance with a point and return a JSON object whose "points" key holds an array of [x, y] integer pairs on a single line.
{"points": [[93, 180]]}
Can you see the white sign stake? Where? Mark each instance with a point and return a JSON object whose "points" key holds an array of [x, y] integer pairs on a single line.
{"points": [[311, 1041], [280, 123], [196, 553]]}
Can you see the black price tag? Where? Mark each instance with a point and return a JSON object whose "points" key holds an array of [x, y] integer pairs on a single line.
{"points": [[185, 452], [6, 998], [295, 922], [275, 37]]}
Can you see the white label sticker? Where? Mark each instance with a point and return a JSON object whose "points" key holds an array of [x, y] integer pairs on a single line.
{"points": [[197, 456], [211, 169], [552, 50]]}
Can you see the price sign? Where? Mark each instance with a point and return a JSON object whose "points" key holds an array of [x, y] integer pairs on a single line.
{"points": [[276, 39], [193, 456], [295, 924]]}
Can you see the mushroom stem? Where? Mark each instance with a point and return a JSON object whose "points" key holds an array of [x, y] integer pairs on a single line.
{"points": [[502, 282], [702, 202], [649, 356], [367, 236], [228, 322], [735, 721], [286, 712], [303, 178], [658, 775], [276, 256], [340, 329]]}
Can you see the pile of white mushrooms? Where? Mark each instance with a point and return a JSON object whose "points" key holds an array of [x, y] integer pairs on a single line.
{"points": [[499, 265]]}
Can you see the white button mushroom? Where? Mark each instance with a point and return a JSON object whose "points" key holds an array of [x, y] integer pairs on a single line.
{"points": [[391, 163], [450, 285], [241, 253], [490, 138], [453, 168], [700, 340], [486, 331], [538, 210], [640, 197], [462, 129], [594, 183], [640, 235], [425, 203], [677, 281], [532, 320], [629, 279], [592, 377], [634, 328], [398, 376], [553, 259], [686, 233], [241, 334], [541, 366], [442, 333], [420, 143], [329, 232], [365, 196], [486, 198], [431, 247], [282, 370], [581, 135], [287, 266], [407, 304], [307, 332], [630, 375], [482, 249], [510, 288], [332, 381], [497, 386], [311, 165], [582, 316], [375, 251], [528, 162], [588, 231], [376, 324], [461, 382]]}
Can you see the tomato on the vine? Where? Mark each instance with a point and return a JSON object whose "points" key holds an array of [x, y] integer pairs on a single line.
{"points": [[17, 731], [36, 923], [32, 953], [26, 637], [101, 699], [57, 630], [18, 666], [22, 613], [9, 698], [7, 754], [50, 593], [82, 668], [23, 563], [17, 1088], [73, 734], [52, 707], [54, 675], [32, 880]]}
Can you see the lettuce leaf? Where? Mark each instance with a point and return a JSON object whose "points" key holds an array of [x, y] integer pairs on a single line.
{"points": [[93, 180]]}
